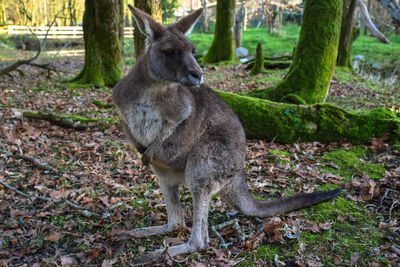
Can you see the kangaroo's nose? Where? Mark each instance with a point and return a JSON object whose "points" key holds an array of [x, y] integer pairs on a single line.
{"points": [[195, 77], [196, 74]]}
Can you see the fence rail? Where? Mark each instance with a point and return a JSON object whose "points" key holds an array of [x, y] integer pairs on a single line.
{"points": [[54, 33]]}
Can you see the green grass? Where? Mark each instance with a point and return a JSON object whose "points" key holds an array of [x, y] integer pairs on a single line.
{"points": [[352, 162], [375, 51], [368, 46], [7, 49], [359, 233], [272, 43]]}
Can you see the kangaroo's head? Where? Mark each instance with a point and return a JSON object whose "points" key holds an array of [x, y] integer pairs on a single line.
{"points": [[169, 53]]}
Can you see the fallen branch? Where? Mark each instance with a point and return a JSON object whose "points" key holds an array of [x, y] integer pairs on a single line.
{"points": [[70, 203], [271, 65], [16, 65], [84, 212], [369, 24], [43, 166], [101, 104], [67, 121]]}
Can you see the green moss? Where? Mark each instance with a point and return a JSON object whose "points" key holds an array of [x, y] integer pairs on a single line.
{"points": [[288, 123], [310, 74], [352, 162], [279, 152], [293, 98], [357, 234], [259, 63], [222, 47], [103, 43], [101, 104], [267, 253]]}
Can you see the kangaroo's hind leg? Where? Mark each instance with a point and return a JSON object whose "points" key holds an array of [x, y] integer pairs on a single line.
{"points": [[169, 183]]}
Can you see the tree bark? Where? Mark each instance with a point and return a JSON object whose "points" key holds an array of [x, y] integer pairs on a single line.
{"points": [[222, 47], [239, 24], [154, 9], [288, 123], [204, 19], [346, 34], [308, 79], [103, 36], [259, 62]]}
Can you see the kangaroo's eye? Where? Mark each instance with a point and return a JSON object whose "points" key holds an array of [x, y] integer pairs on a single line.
{"points": [[170, 52]]}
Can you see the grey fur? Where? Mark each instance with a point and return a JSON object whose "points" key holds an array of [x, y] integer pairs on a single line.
{"points": [[188, 135]]}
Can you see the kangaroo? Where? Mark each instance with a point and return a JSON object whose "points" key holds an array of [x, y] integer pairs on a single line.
{"points": [[188, 135]]}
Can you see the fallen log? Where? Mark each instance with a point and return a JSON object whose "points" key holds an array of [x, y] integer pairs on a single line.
{"points": [[289, 123], [78, 123]]}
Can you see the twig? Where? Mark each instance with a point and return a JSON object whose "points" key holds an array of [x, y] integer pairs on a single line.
{"points": [[395, 202], [68, 202], [239, 261], [235, 223], [36, 163], [14, 189], [395, 250], [165, 252], [19, 63]]}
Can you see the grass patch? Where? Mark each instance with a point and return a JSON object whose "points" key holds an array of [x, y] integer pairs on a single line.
{"points": [[358, 232], [351, 162], [375, 51], [272, 43]]}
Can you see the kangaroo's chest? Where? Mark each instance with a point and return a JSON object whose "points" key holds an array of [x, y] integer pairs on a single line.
{"points": [[145, 121]]}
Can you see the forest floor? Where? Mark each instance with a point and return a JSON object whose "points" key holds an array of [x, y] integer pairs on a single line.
{"points": [[64, 194]]}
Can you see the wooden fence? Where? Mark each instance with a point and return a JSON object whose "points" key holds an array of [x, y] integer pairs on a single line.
{"points": [[55, 32]]}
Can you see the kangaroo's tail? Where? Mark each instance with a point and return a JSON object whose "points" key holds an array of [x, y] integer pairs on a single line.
{"points": [[237, 195]]}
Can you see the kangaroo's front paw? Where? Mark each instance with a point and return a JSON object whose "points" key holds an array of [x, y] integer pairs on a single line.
{"points": [[147, 157]]}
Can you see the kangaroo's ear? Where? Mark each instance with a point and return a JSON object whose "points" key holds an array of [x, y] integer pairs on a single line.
{"points": [[146, 24], [185, 24]]}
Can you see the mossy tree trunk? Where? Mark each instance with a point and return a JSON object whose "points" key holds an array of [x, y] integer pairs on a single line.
{"points": [[347, 35], [103, 34], [288, 123], [309, 76], [154, 9], [259, 63], [222, 47]]}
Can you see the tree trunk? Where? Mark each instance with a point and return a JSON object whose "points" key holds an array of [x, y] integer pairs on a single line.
{"points": [[222, 47], [239, 24], [308, 79], [154, 9], [103, 36], [204, 19], [346, 34], [259, 62], [288, 123]]}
